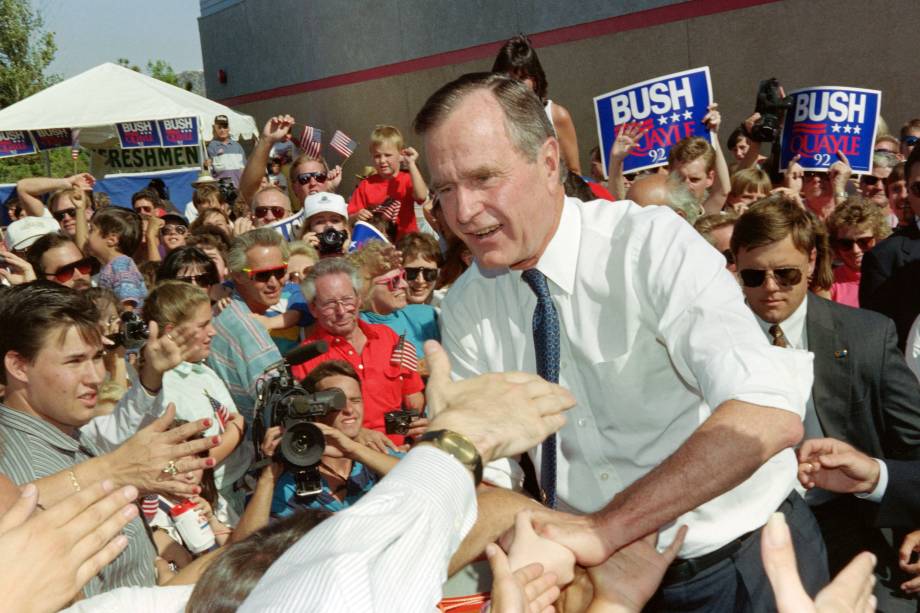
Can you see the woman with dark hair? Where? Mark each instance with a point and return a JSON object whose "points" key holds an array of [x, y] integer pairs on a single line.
{"points": [[518, 58], [192, 265]]}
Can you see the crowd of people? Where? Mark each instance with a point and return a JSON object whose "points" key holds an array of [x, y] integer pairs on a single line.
{"points": [[694, 388]]}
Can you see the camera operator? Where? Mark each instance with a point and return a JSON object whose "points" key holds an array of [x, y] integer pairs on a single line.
{"points": [[326, 224], [348, 469]]}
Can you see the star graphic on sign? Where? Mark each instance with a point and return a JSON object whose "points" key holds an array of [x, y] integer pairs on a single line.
{"points": [[835, 127], [663, 120], [688, 115], [847, 129], [856, 129], [675, 117]]}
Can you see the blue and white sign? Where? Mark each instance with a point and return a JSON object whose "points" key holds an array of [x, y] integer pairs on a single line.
{"points": [[179, 132], [15, 142], [671, 108], [135, 134], [825, 120]]}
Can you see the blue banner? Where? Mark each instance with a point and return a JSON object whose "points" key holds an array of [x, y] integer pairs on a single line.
{"points": [[15, 143], [178, 132], [52, 139], [825, 120], [135, 134], [671, 108]]}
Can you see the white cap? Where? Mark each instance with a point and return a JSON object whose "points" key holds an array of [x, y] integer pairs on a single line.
{"points": [[22, 233], [324, 202]]}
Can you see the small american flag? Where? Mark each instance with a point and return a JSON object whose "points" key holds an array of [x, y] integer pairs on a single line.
{"points": [[343, 144], [311, 141], [74, 144], [149, 506], [389, 209], [221, 411], [404, 355]]}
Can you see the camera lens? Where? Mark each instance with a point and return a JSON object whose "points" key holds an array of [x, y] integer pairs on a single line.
{"points": [[302, 444]]}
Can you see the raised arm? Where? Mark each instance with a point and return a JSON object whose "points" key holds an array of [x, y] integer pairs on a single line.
{"points": [[722, 184], [31, 188], [273, 132], [625, 141]]}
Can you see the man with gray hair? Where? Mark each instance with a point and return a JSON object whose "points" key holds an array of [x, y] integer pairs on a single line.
{"points": [[389, 379], [242, 348]]}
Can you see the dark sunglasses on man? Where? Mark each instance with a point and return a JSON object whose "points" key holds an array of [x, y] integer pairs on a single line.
{"points": [[304, 177], [846, 244], [429, 274], [262, 275], [63, 213], [87, 267], [784, 277], [278, 212], [870, 179]]}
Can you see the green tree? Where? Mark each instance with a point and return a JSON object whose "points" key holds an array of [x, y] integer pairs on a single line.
{"points": [[160, 69], [123, 61], [26, 50]]}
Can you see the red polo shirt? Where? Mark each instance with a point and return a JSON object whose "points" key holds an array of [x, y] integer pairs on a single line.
{"points": [[375, 189], [383, 384]]}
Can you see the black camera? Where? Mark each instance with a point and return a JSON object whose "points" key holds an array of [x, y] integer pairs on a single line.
{"points": [[281, 401], [772, 105], [228, 192], [133, 333], [331, 241], [397, 422]]}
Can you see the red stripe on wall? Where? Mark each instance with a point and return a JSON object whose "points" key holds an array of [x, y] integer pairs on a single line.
{"points": [[623, 23]]}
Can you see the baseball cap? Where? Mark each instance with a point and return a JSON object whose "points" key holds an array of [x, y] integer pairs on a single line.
{"points": [[174, 218], [22, 233], [222, 120], [324, 202]]}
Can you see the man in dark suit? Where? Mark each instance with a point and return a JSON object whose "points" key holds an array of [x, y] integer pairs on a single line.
{"points": [[863, 391], [890, 282]]}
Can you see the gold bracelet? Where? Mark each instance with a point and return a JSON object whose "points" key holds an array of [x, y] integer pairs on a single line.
{"points": [[73, 480]]}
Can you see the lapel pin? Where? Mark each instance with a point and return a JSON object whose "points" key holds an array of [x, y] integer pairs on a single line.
{"points": [[842, 353]]}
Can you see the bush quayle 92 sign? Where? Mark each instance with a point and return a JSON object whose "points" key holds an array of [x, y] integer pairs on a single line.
{"points": [[52, 139], [824, 120], [178, 132], [135, 134], [16, 142], [671, 107]]}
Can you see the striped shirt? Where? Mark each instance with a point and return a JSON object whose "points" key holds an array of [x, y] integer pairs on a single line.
{"points": [[32, 449], [240, 352]]}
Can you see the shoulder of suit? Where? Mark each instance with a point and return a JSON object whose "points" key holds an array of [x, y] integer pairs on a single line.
{"points": [[853, 317]]}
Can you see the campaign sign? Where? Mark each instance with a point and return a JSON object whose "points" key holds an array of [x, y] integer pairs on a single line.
{"points": [[52, 139], [825, 120], [134, 134], [179, 132], [289, 227], [15, 143], [671, 107]]}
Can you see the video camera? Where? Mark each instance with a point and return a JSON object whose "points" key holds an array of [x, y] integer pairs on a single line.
{"points": [[228, 191], [133, 333], [772, 104], [281, 401]]}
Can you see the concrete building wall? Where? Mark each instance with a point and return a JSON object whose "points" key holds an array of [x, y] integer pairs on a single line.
{"points": [[802, 42]]}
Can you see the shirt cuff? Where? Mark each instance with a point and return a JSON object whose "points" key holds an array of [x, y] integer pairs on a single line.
{"points": [[878, 493]]}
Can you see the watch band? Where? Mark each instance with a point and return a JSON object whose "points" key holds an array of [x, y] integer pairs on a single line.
{"points": [[458, 446]]}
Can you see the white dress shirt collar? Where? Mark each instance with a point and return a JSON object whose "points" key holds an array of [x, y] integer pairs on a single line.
{"points": [[793, 327], [559, 262]]}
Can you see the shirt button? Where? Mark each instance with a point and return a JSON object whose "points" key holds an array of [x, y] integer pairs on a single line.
{"points": [[351, 353], [361, 366], [582, 421], [604, 476]]}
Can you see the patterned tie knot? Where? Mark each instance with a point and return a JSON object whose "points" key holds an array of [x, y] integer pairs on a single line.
{"points": [[537, 282], [779, 338]]}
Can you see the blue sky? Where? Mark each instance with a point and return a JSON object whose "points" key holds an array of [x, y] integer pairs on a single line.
{"points": [[90, 32]]}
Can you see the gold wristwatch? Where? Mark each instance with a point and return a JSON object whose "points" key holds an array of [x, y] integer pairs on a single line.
{"points": [[458, 446]]}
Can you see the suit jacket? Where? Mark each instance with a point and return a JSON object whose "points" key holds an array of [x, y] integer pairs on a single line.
{"points": [[890, 282], [864, 393], [900, 506]]}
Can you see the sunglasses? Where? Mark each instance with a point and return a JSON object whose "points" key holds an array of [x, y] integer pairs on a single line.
{"points": [[204, 280], [910, 141], [865, 243], [262, 275], [143, 210], [87, 267], [304, 177], [429, 274], [393, 283], [173, 229], [869, 179], [60, 215], [277, 212], [784, 277]]}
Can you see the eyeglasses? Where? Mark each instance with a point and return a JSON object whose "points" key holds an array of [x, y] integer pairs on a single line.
{"points": [[429, 274], [60, 215], [347, 303], [262, 275], [729, 256], [173, 229], [910, 141], [392, 283], [143, 209], [865, 243], [86, 267], [784, 277], [304, 177], [869, 179], [277, 212], [204, 280]]}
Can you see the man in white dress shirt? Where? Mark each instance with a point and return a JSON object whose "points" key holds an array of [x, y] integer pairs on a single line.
{"points": [[685, 415]]}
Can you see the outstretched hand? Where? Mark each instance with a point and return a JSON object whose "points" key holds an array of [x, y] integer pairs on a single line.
{"points": [[526, 590]]}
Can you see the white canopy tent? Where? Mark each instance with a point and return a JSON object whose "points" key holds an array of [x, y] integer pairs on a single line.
{"points": [[97, 99]]}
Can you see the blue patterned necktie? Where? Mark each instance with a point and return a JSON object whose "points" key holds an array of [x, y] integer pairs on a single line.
{"points": [[546, 341]]}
